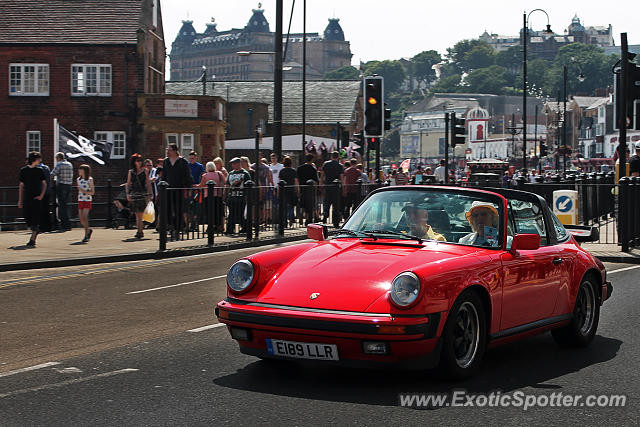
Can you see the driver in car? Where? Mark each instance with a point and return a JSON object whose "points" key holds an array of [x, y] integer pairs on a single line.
{"points": [[417, 225], [483, 218]]}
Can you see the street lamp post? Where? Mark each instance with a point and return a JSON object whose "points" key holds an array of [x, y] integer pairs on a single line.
{"points": [[525, 20], [277, 84]]}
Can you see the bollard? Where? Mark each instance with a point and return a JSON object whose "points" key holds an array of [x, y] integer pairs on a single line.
{"points": [[109, 223], [248, 221], [162, 226], [310, 200], [623, 205], [282, 207], [336, 215], [211, 219]]}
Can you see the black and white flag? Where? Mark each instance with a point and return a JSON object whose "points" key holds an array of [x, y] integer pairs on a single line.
{"points": [[77, 147]]}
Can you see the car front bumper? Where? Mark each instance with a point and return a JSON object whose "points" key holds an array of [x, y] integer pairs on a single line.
{"points": [[411, 341]]}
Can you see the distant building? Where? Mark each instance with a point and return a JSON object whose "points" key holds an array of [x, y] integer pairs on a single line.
{"points": [[217, 50], [250, 104], [546, 46]]}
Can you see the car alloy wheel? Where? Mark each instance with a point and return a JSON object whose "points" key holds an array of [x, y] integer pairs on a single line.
{"points": [[466, 335], [464, 338], [585, 308], [584, 323]]}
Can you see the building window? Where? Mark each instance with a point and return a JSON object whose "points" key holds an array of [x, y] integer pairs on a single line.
{"points": [[118, 139], [91, 79], [34, 141], [184, 141], [29, 79]]}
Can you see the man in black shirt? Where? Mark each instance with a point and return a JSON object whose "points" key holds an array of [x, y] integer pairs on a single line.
{"points": [[634, 161], [176, 172], [331, 170], [307, 172], [33, 186]]}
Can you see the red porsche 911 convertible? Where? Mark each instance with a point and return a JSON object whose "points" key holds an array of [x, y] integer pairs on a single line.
{"points": [[420, 276]]}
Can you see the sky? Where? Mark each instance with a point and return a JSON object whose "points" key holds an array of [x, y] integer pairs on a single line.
{"points": [[382, 29]]}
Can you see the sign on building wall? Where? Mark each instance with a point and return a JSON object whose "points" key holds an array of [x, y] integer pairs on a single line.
{"points": [[409, 145], [180, 108]]}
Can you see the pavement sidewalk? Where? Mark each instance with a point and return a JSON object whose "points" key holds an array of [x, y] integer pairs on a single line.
{"points": [[109, 245]]}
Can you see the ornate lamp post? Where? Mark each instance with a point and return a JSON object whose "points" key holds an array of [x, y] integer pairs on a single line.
{"points": [[525, 20]]}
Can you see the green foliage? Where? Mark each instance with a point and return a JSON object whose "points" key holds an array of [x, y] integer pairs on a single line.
{"points": [[343, 73], [511, 59], [447, 84], [467, 55], [421, 66], [392, 71], [490, 79], [391, 144], [579, 57]]}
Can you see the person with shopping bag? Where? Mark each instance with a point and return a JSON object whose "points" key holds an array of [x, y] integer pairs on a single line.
{"points": [[138, 190]]}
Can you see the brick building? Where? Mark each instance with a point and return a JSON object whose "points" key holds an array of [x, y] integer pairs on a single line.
{"points": [[217, 50], [83, 62], [194, 122]]}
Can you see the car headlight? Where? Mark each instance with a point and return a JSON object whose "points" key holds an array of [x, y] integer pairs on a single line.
{"points": [[240, 275], [405, 289]]}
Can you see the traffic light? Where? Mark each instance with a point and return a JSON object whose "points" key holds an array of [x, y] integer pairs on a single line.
{"points": [[359, 139], [387, 117], [373, 106], [344, 138], [544, 150], [457, 130], [632, 114]]}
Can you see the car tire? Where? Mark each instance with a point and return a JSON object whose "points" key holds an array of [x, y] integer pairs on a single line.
{"points": [[586, 315], [464, 338]]}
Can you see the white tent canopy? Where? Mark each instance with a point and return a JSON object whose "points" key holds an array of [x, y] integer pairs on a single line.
{"points": [[289, 143]]}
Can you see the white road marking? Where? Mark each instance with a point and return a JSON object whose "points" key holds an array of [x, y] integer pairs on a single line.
{"points": [[68, 382], [204, 328], [29, 368], [623, 269], [177, 284]]}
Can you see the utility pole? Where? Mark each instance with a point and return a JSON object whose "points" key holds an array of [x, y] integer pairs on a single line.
{"points": [[446, 148], [564, 121], [535, 138], [622, 115], [304, 74], [277, 84], [524, 94]]}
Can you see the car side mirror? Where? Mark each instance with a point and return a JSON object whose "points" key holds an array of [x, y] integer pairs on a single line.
{"points": [[317, 232], [525, 242]]}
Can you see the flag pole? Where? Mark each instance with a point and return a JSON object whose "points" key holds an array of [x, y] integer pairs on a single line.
{"points": [[56, 140]]}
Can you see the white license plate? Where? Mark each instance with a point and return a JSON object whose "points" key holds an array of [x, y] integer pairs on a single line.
{"points": [[302, 350]]}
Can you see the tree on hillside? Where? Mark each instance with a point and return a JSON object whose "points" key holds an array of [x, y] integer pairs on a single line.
{"points": [[511, 59], [480, 56], [421, 66], [393, 72], [447, 84], [457, 54], [590, 59], [347, 72], [487, 80]]}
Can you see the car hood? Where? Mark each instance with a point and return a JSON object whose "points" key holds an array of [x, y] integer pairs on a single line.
{"points": [[350, 274]]}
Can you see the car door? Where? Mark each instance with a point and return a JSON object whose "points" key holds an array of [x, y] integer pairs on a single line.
{"points": [[531, 278]]}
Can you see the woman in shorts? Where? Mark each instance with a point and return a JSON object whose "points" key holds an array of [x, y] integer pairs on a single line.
{"points": [[86, 190]]}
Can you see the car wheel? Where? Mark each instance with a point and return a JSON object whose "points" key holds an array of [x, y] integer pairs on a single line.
{"points": [[586, 315], [464, 337]]}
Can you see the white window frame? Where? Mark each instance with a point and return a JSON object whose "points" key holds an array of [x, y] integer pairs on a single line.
{"points": [[184, 148], [79, 84], [19, 88], [187, 147], [31, 136], [118, 139]]}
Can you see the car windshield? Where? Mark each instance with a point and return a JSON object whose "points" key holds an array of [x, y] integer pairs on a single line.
{"points": [[457, 217]]}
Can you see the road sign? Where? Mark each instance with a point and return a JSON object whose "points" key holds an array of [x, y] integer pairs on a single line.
{"points": [[565, 206]]}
